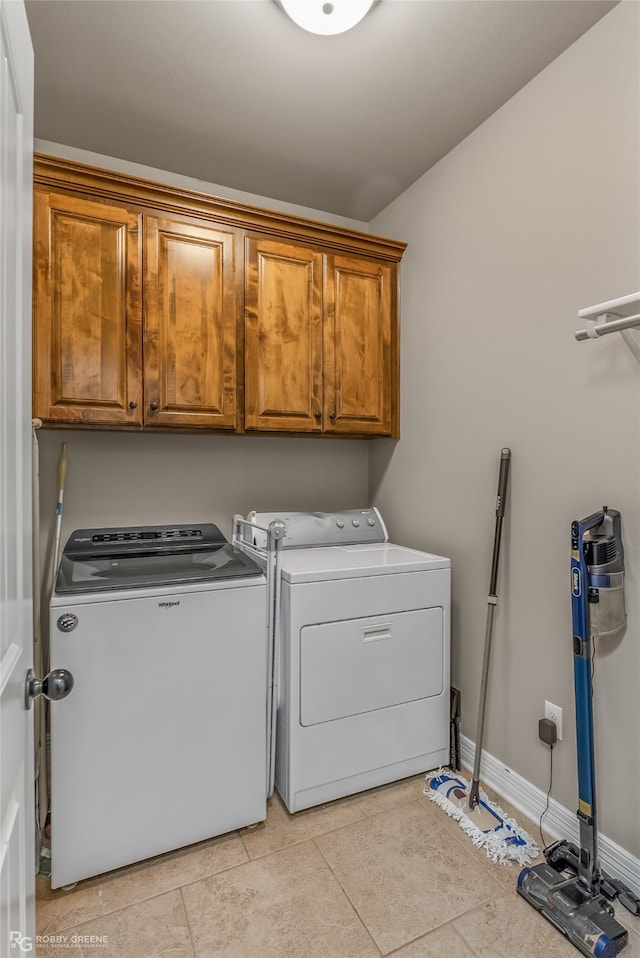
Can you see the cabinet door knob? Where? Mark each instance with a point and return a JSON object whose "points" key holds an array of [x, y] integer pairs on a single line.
{"points": [[318, 415], [332, 415], [154, 406], [133, 404]]}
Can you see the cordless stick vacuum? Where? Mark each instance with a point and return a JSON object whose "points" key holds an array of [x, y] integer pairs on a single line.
{"points": [[569, 888]]}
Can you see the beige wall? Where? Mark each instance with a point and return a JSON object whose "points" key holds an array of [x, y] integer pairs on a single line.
{"points": [[190, 183], [120, 478], [534, 216]]}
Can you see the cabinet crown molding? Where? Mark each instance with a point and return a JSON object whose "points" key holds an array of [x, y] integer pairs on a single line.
{"points": [[55, 173]]}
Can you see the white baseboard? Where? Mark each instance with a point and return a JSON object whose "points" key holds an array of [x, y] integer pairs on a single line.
{"points": [[558, 821]]}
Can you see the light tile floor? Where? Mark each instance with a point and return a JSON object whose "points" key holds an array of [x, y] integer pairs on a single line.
{"points": [[385, 872]]}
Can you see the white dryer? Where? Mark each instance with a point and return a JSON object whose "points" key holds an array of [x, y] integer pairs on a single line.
{"points": [[363, 687]]}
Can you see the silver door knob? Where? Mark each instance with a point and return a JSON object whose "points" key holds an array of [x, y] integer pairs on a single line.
{"points": [[54, 686]]}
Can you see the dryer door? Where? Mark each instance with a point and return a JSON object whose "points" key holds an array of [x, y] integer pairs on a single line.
{"points": [[360, 665]]}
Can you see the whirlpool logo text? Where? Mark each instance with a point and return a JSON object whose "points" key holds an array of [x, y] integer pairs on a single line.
{"points": [[168, 605]]}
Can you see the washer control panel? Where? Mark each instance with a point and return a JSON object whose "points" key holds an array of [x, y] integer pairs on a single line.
{"points": [[311, 529]]}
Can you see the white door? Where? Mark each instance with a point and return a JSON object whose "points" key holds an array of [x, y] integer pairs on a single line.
{"points": [[17, 853]]}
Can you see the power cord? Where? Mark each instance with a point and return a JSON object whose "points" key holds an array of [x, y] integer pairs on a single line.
{"points": [[546, 808]]}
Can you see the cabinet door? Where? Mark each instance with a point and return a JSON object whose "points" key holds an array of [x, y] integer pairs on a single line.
{"points": [[283, 336], [190, 325], [87, 313], [360, 347]]}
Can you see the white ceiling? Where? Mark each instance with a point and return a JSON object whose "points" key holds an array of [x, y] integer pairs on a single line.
{"points": [[232, 92]]}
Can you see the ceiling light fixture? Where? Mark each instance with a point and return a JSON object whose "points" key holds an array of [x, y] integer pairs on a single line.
{"points": [[326, 17]]}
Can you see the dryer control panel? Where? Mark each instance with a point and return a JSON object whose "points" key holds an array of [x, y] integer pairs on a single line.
{"points": [[313, 529]]}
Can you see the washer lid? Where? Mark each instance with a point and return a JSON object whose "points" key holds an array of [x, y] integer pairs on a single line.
{"points": [[106, 560], [355, 561]]}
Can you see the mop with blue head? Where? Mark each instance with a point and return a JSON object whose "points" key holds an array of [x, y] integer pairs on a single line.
{"points": [[485, 823], [483, 820]]}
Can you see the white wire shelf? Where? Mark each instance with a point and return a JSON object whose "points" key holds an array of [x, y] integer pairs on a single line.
{"points": [[617, 316]]}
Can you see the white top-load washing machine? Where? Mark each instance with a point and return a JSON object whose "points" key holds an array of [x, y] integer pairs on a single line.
{"points": [[363, 689], [163, 739]]}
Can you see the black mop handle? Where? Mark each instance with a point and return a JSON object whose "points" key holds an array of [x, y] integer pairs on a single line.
{"points": [[503, 481]]}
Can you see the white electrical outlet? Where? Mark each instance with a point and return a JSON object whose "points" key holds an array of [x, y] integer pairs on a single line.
{"points": [[554, 714]]}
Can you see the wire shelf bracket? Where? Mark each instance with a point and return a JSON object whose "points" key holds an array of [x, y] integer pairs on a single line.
{"points": [[617, 316]]}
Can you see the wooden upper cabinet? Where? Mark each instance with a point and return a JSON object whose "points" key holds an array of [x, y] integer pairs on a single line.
{"points": [[158, 307], [190, 322], [320, 341], [88, 322], [360, 352], [283, 337]]}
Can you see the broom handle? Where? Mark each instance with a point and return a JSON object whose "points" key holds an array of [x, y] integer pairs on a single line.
{"points": [[62, 481], [503, 480]]}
